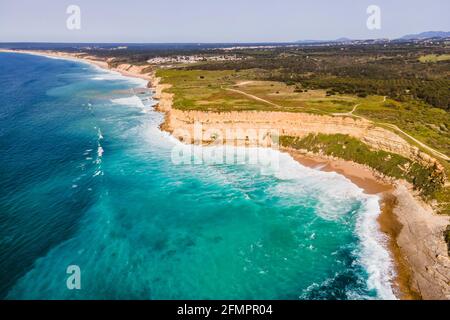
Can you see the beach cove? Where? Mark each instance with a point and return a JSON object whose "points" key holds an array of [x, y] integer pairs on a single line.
{"points": [[372, 185]]}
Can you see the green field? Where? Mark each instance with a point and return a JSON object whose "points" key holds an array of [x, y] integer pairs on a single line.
{"points": [[205, 90], [225, 91], [433, 58], [228, 90]]}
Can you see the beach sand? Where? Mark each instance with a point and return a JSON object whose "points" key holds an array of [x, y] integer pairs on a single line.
{"points": [[415, 233], [366, 180], [124, 69]]}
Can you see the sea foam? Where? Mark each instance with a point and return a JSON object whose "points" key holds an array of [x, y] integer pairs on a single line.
{"points": [[132, 101], [114, 76], [337, 196], [338, 193]]}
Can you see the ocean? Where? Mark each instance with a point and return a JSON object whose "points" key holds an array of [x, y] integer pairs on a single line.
{"points": [[87, 179]]}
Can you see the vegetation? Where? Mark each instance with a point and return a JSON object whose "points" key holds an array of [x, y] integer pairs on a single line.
{"points": [[425, 179], [401, 71], [401, 84], [433, 92], [209, 90], [433, 58], [206, 91], [427, 124], [394, 71]]}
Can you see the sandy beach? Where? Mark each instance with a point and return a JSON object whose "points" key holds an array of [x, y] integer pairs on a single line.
{"points": [[415, 231], [124, 69]]}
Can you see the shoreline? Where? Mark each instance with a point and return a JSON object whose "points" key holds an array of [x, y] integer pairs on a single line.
{"points": [[135, 73], [415, 232], [372, 184], [417, 263]]}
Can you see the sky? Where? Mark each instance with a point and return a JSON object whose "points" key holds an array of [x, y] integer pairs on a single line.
{"points": [[198, 21]]}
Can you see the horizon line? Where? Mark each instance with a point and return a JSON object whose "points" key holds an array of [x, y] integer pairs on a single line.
{"points": [[216, 42]]}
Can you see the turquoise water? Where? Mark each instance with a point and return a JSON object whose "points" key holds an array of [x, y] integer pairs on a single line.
{"points": [[86, 179]]}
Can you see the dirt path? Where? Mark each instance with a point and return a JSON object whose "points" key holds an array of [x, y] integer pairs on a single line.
{"points": [[348, 113], [392, 126], [433, 151], [254, 97], [243, 83]]}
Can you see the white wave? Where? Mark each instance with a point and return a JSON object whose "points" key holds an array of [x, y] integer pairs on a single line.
{"points": [[107, 76], [132, 101], [114, 76], [100, 151], [103, 73], [97, 173], [335, 194], [373, 255], [336, 197]]}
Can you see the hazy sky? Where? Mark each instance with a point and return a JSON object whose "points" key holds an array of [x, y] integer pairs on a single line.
{"points": [[216, 20]]}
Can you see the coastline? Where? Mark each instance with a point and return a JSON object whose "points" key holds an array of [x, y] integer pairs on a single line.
{"points": [[123, 69], [415, 232], [421, 267], [421, 264], [372, 184]]}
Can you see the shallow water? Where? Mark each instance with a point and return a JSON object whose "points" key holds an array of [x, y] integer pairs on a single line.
{"points": [[86, 179]]}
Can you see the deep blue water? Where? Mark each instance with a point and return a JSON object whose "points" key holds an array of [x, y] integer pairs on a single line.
{"points": [[86, 179]]}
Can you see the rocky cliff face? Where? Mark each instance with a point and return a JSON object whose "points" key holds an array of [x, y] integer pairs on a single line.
{"points": [[214, 125], [130, 68]]}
